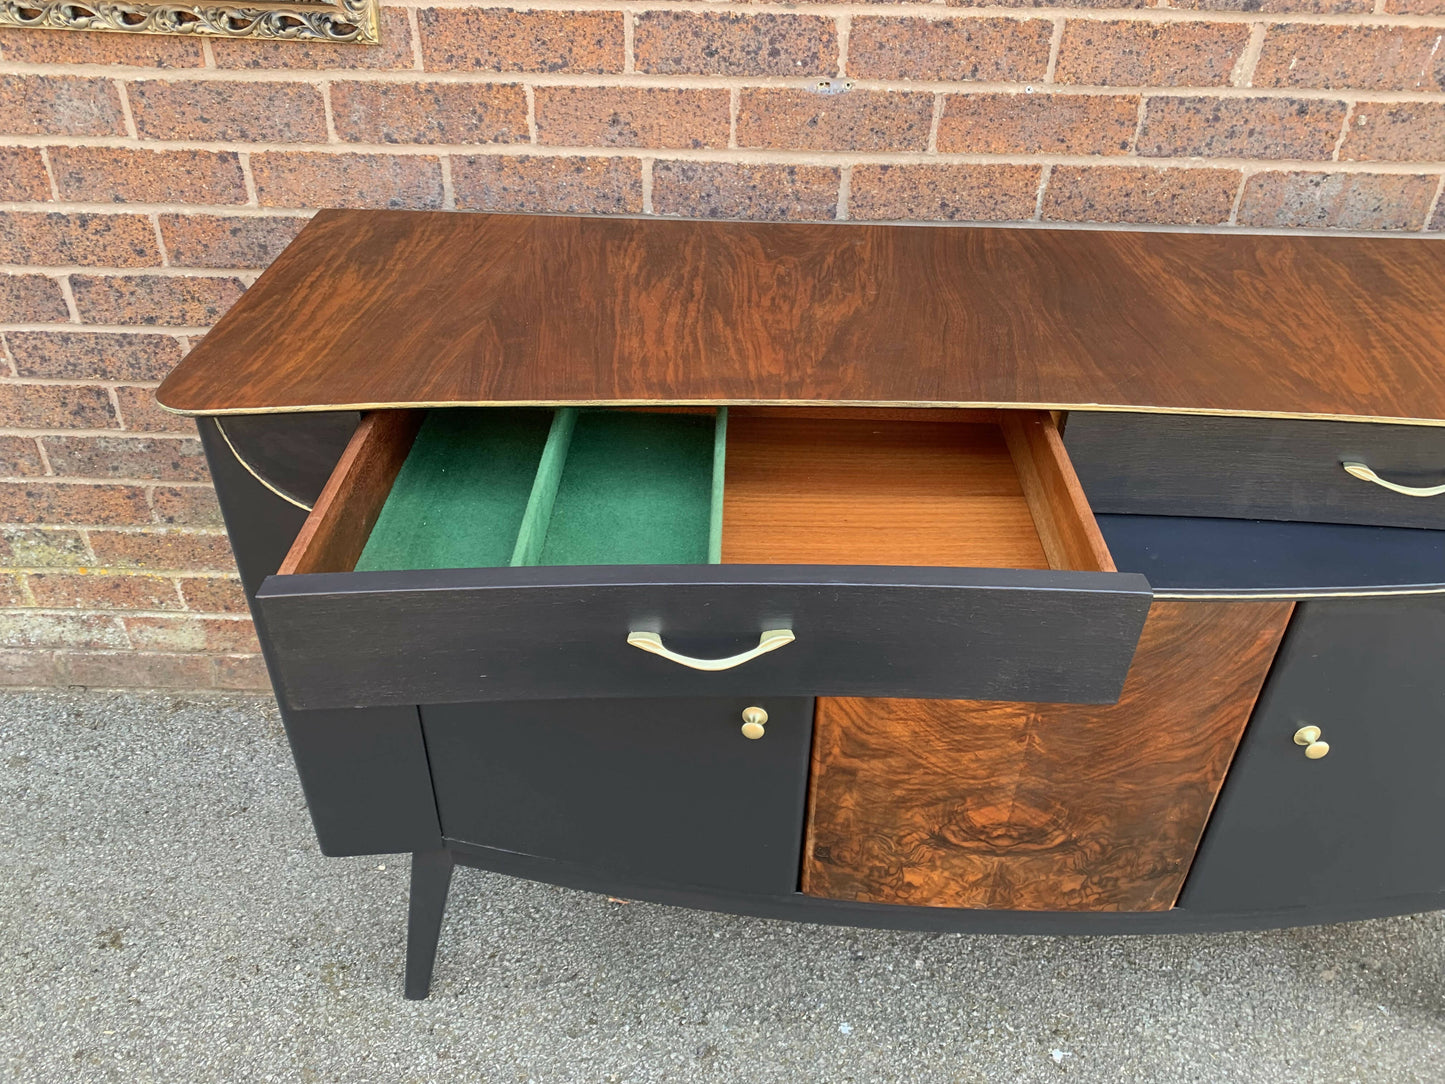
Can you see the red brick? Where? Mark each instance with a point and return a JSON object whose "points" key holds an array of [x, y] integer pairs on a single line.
{"points": [[1124, 53], [60, 630], [139, 413], [858, 120], [56, 406], [73, 502], [987, 49], [152, 51], [1398, 132], [22, 669], [93, 355], [135, 670], [20, 457], [1279, 7], [31, 299], [163, 549], [214, 594], [245, 673], [566, 185], [1038, 123], [218, 111], [1416, 7], [186, 506], [946, 193], [154, 299], [228, 634], [224, 241], [632, 117], [727, 190], [1353, 57], [167, 459], [103, 591], [299, 179], [115, 175], [22, 174], [1140, 194], [91, 240], [1208, 127], [503, 40], [32, 547], [1346, 201], [1112, 4], [725, 43], [59, 105], [430, 112], [1437, 222], [251, 54]]}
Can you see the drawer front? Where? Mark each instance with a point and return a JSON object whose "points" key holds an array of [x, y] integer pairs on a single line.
{"points": [[1258, 468], [1360, 825], [448, 636], [665, 791]]}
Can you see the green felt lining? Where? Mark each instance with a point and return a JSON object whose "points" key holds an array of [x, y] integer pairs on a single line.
{"points": [[494, 486], [459, 499]]}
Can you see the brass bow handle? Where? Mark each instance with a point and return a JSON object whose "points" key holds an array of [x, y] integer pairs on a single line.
{"points": [[1365, 474], [768, 641]]}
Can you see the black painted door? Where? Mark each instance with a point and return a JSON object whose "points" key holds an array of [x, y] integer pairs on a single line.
{"points": [[667, 791], [1363, 823]]}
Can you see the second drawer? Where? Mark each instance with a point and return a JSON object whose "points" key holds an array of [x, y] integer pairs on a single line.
{"points": [[1260, 468]]}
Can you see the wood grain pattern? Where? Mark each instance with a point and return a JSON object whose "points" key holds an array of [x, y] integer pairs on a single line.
{"points": [[371, 308], [851, 492], [336, 531], [1040, 807], [1066, 525]]}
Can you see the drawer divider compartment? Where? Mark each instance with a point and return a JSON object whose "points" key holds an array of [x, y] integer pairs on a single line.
{"points": [[538, 516]]}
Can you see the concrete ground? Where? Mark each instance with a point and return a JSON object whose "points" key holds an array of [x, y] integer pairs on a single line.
{"points": [[165, 916]]}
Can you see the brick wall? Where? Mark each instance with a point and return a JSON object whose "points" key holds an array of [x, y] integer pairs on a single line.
{"points": [[145, 181]]}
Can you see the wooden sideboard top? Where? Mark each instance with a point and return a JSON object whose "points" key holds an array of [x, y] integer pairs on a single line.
{"points": [[388, 308]]}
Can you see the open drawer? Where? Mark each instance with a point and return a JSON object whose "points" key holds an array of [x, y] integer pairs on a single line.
{"points": [[501, 554]]}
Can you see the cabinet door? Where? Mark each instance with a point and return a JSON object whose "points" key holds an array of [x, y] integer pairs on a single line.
{"points": [[1361, 824], [1040, 807], [665, 790]]}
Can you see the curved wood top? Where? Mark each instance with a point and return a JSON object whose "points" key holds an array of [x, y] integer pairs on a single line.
{"points": [[391, 308]]}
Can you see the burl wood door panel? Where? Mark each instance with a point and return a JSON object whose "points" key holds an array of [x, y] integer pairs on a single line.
{"points": [[1040, 807]]}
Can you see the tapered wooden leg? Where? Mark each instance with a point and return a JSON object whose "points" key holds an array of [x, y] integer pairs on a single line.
{"points": [[431, 876]]}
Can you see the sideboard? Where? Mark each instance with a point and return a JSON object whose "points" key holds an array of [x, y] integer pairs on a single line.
{"points": [[1012, 580]]}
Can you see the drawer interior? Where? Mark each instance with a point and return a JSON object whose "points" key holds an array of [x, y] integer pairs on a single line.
{"points": [[488, 487]]}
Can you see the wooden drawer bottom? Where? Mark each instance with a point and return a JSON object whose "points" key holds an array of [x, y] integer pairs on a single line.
{"points": [[1040, 807]]}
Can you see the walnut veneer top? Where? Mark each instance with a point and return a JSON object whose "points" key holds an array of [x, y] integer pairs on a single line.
{"points": [[380, 308]]}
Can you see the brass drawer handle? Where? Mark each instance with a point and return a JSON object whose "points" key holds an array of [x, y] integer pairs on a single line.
{"points": [[768, 641], [1365, 474]]}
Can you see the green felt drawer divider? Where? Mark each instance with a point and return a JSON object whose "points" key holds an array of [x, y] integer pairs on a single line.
{"points": [[533, 532], [460, 497], [636, 488], [719, 474]]}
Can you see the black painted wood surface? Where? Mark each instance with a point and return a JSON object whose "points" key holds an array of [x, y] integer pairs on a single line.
{"points": [[363, 770], [1192, 553], [1360, 826], [1256, 468], [294, 454], [660, 789], [449, 636]]}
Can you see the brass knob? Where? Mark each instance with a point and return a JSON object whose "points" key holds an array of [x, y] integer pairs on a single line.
{"points": [[754, 720], [1309, 737]]}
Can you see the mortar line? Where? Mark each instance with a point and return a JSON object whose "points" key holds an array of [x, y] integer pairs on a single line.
{"points": [[69, 296], [449, 192], [934, 122], [125, 109], [735, 97], [1344, 132], [531, 95], [414, 22], [328, 112], [248, 178], [646, 172], [1138, 128], [50, 174], [1056, 39], [845, 185], [1234, 206], [1243, 73], [1435, 204], [1044, 175], [160, 240], [845, 28], [629, 42], [8, 357]]}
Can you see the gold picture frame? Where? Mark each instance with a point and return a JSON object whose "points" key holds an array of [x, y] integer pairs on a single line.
{"points": [[345, 21]]}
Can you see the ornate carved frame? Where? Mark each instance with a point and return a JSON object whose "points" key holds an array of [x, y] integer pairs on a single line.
{"points": [[352, 21]]}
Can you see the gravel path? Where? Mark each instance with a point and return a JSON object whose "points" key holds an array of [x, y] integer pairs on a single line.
{"points": [[165, 916]]}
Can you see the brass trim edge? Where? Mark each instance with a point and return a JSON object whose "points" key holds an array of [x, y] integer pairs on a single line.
{"points": [[353, 22], [1296, 596], [254, 473], [906, 404]]}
